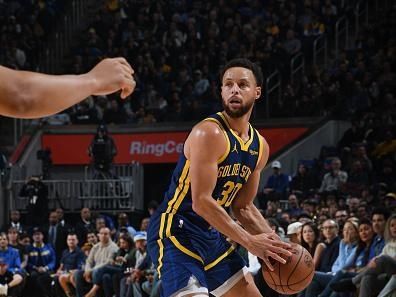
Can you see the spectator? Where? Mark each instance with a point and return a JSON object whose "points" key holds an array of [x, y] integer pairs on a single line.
{"points": [[334, 180], [277, 183], [370, 281], [309, 208], [358, 178], [55, 235], [10, 255], [124, 223], [109, 276], [201, 84], [353, 204], [131, 285], [144, 224], [10, 283], [24, 241], [100, 223], [61, 218], [310, 238], [13, 241], [114, 114], [360, 154], [15, 221], [100, 255], [41, 264], [347, 250], [360, 259], [152, 207], [293, 208], [379, 218], [92, 238], [327, 251], [84, 225], [303, 181], [72, 260], [292, 45], [341, 217], [294, 232], [355, 134], [84, 114]]}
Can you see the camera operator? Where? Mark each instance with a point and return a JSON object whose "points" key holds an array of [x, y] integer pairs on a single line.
{"points": [[46, 162], [102, 150], [37, 193]]}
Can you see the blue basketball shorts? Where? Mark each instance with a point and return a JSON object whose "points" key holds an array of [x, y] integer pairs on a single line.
{"points": [[193, 260]]}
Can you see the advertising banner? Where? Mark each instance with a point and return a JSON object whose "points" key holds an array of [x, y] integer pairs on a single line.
{"points": [[149, 147]]}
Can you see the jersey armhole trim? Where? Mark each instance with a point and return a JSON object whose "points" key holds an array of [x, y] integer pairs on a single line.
{"points": [[261, 149], [224, 156]]}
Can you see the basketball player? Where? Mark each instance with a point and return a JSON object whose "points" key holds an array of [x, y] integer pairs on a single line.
{"points": [[219, 169], [26, 94]]}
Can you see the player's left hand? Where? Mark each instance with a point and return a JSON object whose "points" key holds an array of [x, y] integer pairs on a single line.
{"points": [[269, 245]]}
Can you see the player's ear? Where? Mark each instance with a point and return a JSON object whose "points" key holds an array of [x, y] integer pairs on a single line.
{"points": [[258, 92]]}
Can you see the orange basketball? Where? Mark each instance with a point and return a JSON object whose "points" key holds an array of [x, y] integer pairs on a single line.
{"points": [[294, 276]]}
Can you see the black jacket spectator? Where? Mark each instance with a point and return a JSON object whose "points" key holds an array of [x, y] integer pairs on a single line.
{"points": [[329, 255]]}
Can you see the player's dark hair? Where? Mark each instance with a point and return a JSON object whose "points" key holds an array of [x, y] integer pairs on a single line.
{"points": [[244, 63]]}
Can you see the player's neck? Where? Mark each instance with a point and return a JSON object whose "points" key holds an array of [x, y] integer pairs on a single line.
{"points": [[239, 125]]}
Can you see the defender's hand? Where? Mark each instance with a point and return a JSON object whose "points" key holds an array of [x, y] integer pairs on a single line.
{"points": [[111, 75]]}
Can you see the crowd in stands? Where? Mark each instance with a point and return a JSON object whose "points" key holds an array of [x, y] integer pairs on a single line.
{"points": [[24, 28], [91, 256], [177, 49]]}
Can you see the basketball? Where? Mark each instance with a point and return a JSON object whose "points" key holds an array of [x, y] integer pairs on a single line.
{"points": [[293, 276]]}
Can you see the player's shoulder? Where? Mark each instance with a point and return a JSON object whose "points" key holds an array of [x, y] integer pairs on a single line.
{"points": [[207, 129], [206, 137]]}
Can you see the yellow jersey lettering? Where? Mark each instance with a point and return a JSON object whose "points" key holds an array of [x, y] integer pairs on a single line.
{"points": [[226, 171], [220, 171], [245, 172], [235, 169], [229, 193]]}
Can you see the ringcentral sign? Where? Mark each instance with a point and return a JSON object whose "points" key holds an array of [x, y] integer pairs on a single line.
{"points": [[156, 149], [150, 147]]}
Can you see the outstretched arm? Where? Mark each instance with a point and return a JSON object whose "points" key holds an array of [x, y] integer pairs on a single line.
{"points": [[205, 145], [26, 94]]}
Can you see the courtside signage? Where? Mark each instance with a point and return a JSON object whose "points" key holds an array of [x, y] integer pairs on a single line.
{"points": [[164, 147]]}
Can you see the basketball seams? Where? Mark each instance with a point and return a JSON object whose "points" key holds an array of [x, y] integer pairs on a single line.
{"points": [[295, 267], [270, 274], [279, 275], [287, 287], [293, 284]]}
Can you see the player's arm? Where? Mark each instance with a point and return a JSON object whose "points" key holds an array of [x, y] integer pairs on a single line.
{"points": [[250, 217], [25, 94], [243, 207], [204, 146]]}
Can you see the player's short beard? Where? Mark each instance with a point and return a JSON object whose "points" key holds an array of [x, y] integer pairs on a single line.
{"points": [[245, 108]]}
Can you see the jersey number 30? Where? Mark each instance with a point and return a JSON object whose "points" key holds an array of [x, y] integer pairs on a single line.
{"points": [[229, 193]]}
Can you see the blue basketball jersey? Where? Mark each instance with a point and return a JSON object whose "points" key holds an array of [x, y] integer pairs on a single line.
{"points": [[234, 169], [180, 242]]}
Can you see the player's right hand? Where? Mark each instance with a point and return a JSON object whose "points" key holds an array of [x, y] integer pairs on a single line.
{"points": [[268, 245], [111, 75]]}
